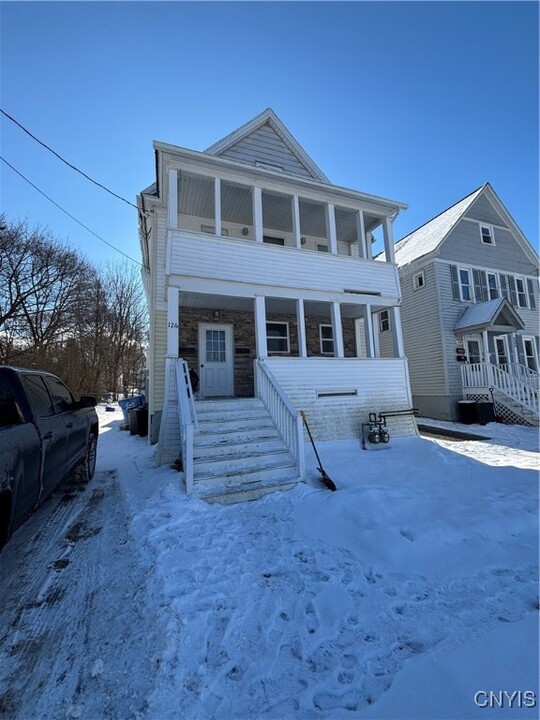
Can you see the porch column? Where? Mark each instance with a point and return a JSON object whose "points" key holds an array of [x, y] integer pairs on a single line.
{"points": [[296, 222], [217, 204], [173, 299], [389, 240], [260, 327], [361, 234], [258, 214], [301, 324], [397, 333], [513, 348], [331, 229], [337, 330], [368, 329], [173, 199]]}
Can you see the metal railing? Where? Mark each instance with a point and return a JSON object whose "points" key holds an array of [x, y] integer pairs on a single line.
{"points": [[286, 418], [187, 418], [486, 375]]}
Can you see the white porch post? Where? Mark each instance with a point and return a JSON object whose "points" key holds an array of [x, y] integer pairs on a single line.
{"points": [[337, 330], [173, 199], [512, 341], [361, 234], [296, 221], [389, 240], [258, 214], [397, 333], [301, 324], [217, 204], [173, 298], [331, 229], [485, 343], [260, 327], [368, 328]]}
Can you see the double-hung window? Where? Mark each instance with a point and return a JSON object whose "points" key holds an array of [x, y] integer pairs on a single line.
{"points": [[326, 337], [384, 321], [532, 299], [487, 234], [521, 293], [277, 337], [492, 286], [465, 284]]}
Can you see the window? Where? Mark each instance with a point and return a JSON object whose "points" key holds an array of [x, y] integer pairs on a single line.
{"points": [[487, 235], [493, 288], [61, 397], [9, 410], [326, 336], [38, 395], [277, 337], [465, 284], [215, 346], [322, 248], [273, 240], [384, 321], [521, 294], [531, 358], [211, 230], [419, 280], [530, 288]]}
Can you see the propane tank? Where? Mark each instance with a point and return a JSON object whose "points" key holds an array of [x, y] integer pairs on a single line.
{"points": [[384, 437], [374, 436]]}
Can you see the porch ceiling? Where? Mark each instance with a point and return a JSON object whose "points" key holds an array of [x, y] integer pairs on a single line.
{"points": [[285, 306]]}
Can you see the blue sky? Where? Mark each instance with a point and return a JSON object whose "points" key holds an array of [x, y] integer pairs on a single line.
{"points": [[419, 102]]}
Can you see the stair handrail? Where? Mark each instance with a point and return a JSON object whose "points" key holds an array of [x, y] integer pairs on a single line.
{"points": [[525, 373], [187, 417], [515, 388], [286, 417]]}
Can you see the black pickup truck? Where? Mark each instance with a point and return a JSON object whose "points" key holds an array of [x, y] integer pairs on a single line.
{"points": [[44, 434]]}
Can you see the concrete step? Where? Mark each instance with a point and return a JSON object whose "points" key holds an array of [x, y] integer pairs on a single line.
{"points": [[224, 467], [227, 449], [248, 479]]}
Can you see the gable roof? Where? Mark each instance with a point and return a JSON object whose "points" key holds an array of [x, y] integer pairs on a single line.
{"points": [[269, 117], [429, 236], [482, 315]]}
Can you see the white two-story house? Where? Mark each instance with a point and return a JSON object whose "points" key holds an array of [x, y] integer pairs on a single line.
{"points": [[260, 280], [469, 279]]}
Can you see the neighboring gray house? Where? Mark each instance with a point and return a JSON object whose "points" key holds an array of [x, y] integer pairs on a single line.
{"points": [[469, 281]]}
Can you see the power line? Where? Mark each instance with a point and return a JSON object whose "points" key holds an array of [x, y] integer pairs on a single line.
{"points": [[69, 214], [70, 165]]}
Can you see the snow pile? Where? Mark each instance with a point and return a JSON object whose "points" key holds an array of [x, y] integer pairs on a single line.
{"points": [[400, 595]]}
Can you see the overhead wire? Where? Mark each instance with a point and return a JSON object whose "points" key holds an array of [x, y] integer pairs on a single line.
{"points": [[66, 162], [69, 214]]}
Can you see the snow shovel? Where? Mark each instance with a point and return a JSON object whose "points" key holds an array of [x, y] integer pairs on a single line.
{"points": [[330, 484]]}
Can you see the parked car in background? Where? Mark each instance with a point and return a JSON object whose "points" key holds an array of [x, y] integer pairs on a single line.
{"points": [[45, 433]]}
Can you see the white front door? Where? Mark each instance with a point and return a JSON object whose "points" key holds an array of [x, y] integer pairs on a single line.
{"points": [[501, 351], [216, 359], [473, 349]]}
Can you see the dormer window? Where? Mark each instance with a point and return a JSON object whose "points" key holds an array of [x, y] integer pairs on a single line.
{"points": [[487, 235]]}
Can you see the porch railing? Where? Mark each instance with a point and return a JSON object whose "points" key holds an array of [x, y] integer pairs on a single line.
{"points": [[187, 418], [525, 374], [286, 418], [486, 375]]}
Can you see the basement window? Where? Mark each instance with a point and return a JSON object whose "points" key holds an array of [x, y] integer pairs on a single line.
{"points": [[337, 393], [322, 248], [277, 337]]}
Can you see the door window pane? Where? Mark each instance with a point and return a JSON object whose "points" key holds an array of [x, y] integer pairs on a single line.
{"points": [[473, 348]]}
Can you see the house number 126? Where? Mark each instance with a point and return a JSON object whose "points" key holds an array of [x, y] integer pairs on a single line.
{"points": [[172, 324]]}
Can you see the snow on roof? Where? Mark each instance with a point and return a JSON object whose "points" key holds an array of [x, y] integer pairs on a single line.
{"points": [[428, 237], [483, 314]]}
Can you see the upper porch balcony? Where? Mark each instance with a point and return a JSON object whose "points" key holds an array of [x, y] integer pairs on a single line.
{"points": [[225, 230]]}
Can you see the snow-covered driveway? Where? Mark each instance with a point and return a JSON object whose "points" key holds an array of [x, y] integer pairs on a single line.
{"points": [[400, 595]]}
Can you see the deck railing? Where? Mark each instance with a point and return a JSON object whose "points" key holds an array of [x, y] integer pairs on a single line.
{"points": [[486, 375], [286, 418], [187, 418]]}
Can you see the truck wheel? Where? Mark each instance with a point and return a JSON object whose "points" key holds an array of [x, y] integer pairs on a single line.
{"points": [[89, 465]]}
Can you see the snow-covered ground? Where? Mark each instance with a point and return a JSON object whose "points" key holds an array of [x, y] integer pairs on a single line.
{"points": [[399, 596]]}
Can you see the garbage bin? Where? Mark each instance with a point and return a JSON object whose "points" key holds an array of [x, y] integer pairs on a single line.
{"points": [[130, 402], [133, 421], [467, 413], [485, 412], [142, 419]]}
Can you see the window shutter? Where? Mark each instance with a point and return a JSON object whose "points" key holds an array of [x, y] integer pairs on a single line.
{"points": [[530, 288], [455, 282], [480, 286], [504, 286], [512, 288]]}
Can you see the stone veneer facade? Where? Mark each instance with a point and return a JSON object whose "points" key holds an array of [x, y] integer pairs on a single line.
{"points": [[244, 339]]}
